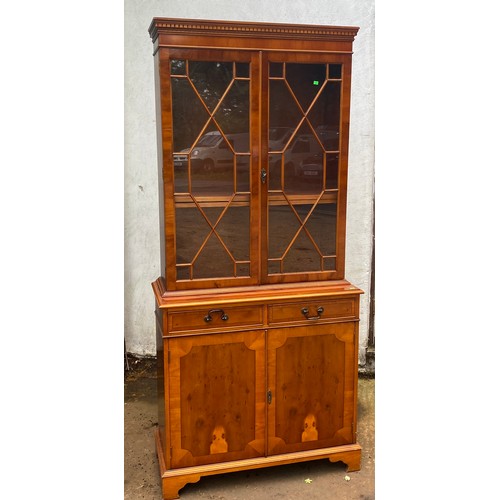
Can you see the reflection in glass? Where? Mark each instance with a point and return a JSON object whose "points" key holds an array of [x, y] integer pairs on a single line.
{"points": [[243, 173], [325, 116], [332, 170], [216, 248], [188, 114], [283, 110], [302, 256], [242, 70], [321, 225], [211, 168], [242, 269], [213, 261], [283, 225], [233, 230], [274, 171], [305, 80], [276, 70], [211, 79], [178, 67], [303, 168], [303, 161], [335, 70], [233, 114], [329, 263], [191, 229]]}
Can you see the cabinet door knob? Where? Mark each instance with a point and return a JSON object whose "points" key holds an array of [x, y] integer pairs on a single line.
{"points": [[319, 312], [223, 315]]}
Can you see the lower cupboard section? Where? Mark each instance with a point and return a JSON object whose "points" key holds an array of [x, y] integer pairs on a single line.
{"points": [[244, 397]]}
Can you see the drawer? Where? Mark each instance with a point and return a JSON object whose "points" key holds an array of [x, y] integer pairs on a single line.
{"points": [[210, 318], [312, 310]]}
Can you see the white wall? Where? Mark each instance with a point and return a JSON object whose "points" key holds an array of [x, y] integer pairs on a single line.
{"points": [[142, 250]]}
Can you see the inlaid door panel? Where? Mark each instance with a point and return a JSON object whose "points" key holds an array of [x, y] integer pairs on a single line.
{"points": [[312, 387], [217, 397]]}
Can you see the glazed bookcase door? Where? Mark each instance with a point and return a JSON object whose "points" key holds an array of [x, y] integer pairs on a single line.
{"points": [[210, 199], [306, 126], [312, 387], [217, 398]]}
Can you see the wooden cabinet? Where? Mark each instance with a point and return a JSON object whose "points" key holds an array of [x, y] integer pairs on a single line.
{"points": [[257, 329]]}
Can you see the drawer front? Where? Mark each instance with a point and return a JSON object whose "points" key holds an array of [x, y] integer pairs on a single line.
{"points": [[313, 310], [210, 318]]}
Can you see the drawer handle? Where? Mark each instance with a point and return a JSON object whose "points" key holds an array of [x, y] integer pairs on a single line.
{"points": [[319, 312], [223, 315]]}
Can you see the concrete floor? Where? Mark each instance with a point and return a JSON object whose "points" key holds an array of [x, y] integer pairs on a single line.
{"points": [[328, 481]]}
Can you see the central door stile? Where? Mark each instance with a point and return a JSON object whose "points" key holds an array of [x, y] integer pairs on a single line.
{"points": [[264, 161]]}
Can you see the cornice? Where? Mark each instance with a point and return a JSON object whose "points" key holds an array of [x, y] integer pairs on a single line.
{"points": [[250, 29]]}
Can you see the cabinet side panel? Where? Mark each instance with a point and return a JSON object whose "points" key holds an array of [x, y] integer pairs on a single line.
{"points": [[160, 366], [159, 148]]}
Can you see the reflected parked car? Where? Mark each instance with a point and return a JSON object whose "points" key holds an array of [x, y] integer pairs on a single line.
{"points": [[312, 168], [212, 151]]}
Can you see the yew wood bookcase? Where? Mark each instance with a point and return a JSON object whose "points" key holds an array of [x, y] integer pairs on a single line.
{"points": [[257, 327]]}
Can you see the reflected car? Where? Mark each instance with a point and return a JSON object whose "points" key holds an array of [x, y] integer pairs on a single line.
{"points": [[312, 167], [213, 151]]}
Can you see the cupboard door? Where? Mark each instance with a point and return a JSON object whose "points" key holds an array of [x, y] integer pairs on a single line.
{"points": [[312, 384], [306, 153], [217, 397], [209, 191]]}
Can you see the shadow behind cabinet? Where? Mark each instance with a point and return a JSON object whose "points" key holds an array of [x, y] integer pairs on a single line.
{"points": [[257, 327]]}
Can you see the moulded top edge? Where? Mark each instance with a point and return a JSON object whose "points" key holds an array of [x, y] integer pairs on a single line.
{"points": [[250, 29], [258, 293]]}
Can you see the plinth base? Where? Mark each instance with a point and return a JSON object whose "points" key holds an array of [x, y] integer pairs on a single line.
{"points": [[175, 479]]}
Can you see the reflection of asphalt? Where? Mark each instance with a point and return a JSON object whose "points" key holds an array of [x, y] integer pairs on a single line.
{"points": [[234, 230]]}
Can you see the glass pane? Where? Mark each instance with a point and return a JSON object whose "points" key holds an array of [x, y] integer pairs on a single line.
{"points": [[233, 116], [213, 261], [325, 116], [233, 229], [212, 153], [211, 161], [329, 263], [335, 70], [274, 171], [188, 114], [243, 173], [332, 171], [276, 70], [279, 137], [283, 110], [303, 160], [302, 257], [191, 230], [178, 67], [303, 168], [305, 81], [321, 225], [183, 272], [242, 70], [211, 79], [242, 270], [273, 267], [283, 225]]}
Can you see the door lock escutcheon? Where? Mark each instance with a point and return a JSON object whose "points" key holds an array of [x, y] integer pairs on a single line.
{"points": [[263, 175]]}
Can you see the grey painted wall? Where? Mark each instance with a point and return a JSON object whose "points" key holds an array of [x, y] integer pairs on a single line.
{"points": [[142, 249]]}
